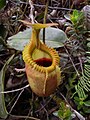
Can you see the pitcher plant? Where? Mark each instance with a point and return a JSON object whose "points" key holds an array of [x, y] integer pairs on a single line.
{"points": [[41, 63]]}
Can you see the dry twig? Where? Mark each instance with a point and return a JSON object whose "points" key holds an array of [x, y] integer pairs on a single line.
{"points": [[19, 89], [16, 101], [31, 11]]}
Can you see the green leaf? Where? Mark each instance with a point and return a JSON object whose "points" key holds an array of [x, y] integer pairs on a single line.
{"points": [[77, 17], [67, 16], [75, 13], [3, 111], [2, 3], [86, 110], [87, 103], [53, 37], [55, 113], [88, 44], [64, 112], [74, 16]]}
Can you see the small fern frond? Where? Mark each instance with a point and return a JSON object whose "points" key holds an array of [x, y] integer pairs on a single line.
{"points": [[80, 91], [83, 85]]}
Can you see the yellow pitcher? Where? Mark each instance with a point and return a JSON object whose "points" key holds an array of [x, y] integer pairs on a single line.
{"points": [[41, 63]]}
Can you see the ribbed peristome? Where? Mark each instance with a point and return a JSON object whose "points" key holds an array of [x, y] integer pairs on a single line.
{"points": [[28, 57]]}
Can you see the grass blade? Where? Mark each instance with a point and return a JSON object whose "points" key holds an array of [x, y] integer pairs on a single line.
{"points": [[3, 111]]}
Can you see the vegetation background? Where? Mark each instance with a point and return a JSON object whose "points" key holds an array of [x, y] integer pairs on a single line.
{"points": [[71, 100]]}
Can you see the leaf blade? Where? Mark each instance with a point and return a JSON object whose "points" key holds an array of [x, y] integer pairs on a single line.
{"points": [[53, 37], [3, 111]]}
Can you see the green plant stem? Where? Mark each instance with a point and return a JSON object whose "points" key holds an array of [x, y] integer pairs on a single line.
{"points": [[33, 104], [44, 21], [3, 42]]}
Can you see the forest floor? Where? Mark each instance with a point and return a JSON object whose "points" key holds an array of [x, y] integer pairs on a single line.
{"points": [[71, 99]]}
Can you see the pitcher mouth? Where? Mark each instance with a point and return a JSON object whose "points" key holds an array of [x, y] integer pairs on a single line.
{"points": [[45, 62], [43, 59]]}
